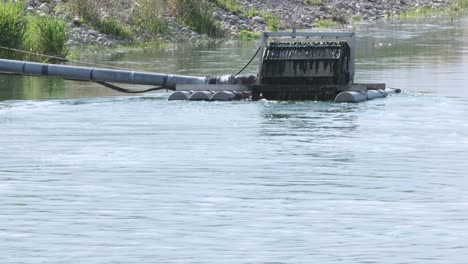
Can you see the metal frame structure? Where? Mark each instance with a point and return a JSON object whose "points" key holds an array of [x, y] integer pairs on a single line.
{"points": [[349, 37]]}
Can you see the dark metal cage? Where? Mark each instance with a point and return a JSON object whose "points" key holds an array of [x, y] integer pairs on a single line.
{"points": [[306, 63]]}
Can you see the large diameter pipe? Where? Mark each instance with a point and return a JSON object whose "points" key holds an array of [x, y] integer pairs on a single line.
{"points": [[97, 74]]}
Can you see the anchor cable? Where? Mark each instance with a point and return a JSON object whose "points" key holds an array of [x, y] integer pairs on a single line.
{"points": [[248, 63]]}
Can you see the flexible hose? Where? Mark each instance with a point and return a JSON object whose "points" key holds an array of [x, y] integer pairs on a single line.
{"points": [[123, 90], [248, 63]]}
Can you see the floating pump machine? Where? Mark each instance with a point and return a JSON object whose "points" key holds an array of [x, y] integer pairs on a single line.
{"points": [[316, 66]]}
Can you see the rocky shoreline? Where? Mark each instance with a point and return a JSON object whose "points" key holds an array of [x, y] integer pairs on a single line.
{"points": [[299, 14]]}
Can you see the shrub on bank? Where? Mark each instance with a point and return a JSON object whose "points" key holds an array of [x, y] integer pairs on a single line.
{"points": [[272, 21], [196, 14], [249, 35], [314, 2], [36, 34], [89, 11], [147, 18], [326, 23], [47, 35], [460, 4], [112, 27], [236, 8], [232, 6], [12, 28]]}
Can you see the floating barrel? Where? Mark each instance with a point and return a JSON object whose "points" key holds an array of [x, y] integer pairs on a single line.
{"points": [[360, 96], [201, 96], [180, 95], [223, 96]]}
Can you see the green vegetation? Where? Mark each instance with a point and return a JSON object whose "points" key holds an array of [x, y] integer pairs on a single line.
{"points": [[37, 34], [196, 15], [272, 21], [356, 18], [27, 88], [47, 35], [456, 7], [12, 28], [314, 2], [413, 13], [234, 7], [88, 11], [326, 23], [147, 19], [114, 27], [250, 13], [249, 35], [231, 5], [459, 4]]}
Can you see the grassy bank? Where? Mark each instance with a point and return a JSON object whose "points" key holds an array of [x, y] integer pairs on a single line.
{"points": [[148, 21], [48, 34], [12, 29], [196, 15], [272, 21], [34, 34], [459, 5], [455, 8], [143, 17]]}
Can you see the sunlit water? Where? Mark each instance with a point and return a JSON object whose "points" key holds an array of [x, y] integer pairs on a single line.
{"points": [[87, 178]]}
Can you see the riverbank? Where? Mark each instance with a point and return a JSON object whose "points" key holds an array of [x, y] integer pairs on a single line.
{"points": [[312, 14], [112, 23]]}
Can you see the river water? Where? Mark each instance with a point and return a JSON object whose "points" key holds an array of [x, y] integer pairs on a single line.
{"points": [[90, 178]]}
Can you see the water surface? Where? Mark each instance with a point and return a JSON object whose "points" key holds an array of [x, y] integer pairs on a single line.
{"points": [[89, 176]]}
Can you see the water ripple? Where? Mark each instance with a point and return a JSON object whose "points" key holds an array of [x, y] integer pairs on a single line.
{"points": [[139, 179]]}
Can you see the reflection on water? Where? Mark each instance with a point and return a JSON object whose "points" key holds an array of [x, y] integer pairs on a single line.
{"points": [[309, 120], [86, 177], [428, 57]]}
